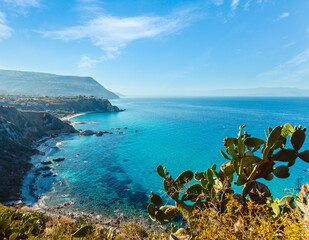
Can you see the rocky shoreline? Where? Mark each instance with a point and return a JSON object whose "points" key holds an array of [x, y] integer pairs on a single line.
{"points": [[33, 193], [22, 130], [19, 133], [42, 166]]}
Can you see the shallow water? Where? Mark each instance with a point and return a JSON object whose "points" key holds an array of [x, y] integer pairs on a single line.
{"points": [[117, 171]]}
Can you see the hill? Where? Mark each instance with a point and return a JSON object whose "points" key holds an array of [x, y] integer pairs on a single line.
{"points": [[45, 84]]}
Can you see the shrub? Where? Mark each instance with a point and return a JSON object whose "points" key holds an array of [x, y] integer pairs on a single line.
{"points": [[248, 221]]}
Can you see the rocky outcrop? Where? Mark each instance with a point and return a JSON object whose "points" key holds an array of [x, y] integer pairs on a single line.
{"points": [[23, 127], [59, 106], [19, 130], [87, 133]]}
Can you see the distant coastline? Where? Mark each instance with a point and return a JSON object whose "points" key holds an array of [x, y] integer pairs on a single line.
{"points": [[46, 84]]}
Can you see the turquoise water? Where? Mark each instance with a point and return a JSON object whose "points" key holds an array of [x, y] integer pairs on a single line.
{"points": [[117, 171]]}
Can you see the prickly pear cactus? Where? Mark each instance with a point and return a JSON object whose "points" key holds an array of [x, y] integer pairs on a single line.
{"points": [[188, 196], [248, 164], [248, 159]]}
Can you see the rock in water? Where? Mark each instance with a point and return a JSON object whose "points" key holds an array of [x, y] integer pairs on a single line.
{"points": [[58, 159], [46, 162], [87, 133]]}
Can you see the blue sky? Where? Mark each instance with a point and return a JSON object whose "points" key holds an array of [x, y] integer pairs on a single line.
{"points": [[160, 47]]}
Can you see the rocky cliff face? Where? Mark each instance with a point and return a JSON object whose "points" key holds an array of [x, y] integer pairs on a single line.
{"points": [[59, 106], [18, 132], [23, 127]]}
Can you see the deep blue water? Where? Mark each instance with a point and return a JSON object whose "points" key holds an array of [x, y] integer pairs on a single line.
{"points": [[119, 170]]}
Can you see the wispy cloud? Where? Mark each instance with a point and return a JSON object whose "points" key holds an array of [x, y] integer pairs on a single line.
{"points": [[234, 4], [218, 2], [112, 33], [247, 5], [5, 30], [294, 70], [251, 2], [23, 3], [283, 15], [15, 6], [289, 45], [86, 62]]}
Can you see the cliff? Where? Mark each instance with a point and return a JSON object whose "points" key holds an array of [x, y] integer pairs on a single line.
{"points": [[18, 132], [45, 84], [59, 106]]}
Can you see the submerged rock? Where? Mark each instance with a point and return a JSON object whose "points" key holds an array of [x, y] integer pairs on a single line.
{"points": [[43, 169], [58, 159], [46, 162], [47, 175]]}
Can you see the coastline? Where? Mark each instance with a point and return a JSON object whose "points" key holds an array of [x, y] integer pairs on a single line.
{"points": [[34, 200], [68, 117], [30, 193], [34, 187]]}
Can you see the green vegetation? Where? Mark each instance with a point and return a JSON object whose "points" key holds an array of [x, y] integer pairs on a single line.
{"points": [[58, 106], [15, 224], [213, 189], [18, 222]]}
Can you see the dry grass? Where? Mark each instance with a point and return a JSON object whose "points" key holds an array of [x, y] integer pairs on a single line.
{"points": [[249, 221]]}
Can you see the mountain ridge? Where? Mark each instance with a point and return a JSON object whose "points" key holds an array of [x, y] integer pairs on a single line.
{"points": [[48, 84]]}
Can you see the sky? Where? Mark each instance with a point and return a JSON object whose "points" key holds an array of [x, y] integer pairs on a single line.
{"points": [[160, 47]]}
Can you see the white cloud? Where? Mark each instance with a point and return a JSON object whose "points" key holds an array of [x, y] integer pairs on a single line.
{"points": [[87, 62], [19, 6], [301, 58], [283, 15], [112, 34], [218, 2], [5, 30], [294, 70], [234, 4], [247, 5], [23, 3]]}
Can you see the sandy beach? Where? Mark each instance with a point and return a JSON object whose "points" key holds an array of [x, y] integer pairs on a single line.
{"points": [[67, 118]]}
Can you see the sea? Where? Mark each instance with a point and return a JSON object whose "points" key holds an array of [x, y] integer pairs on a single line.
{"points": [[117, 171]]}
